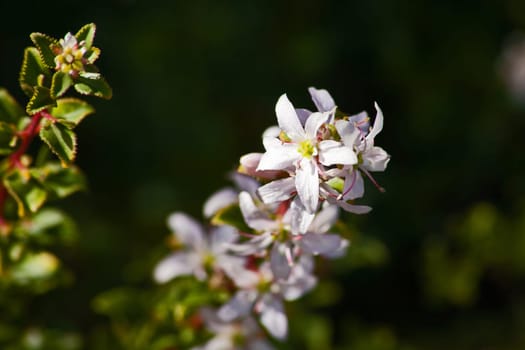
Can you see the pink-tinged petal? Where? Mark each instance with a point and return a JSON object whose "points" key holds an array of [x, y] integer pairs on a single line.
{"points": [[277, 191], [303, 115], [307, 184], [325, 219], [245, 182], [375, 159], [332, 152], [378, 124], [361, 120], [175, 265], [354, 186], [350, 135], [314, 122], [351, 208], [220, 199], [278, 156], [320, 243], [288, 120], [300, 218], [253, 216], [187, 230], [238, 306], [221, 236], [279, 261], [322, 99], [273, 317]]}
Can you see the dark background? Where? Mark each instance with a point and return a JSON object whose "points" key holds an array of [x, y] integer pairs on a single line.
{"points": [[195, 84]]}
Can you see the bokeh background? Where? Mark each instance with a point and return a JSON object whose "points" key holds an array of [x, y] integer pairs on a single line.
{"points": [[438, 264]]}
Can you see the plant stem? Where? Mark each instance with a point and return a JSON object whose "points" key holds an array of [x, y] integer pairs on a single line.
{"points": [[26, 137]]}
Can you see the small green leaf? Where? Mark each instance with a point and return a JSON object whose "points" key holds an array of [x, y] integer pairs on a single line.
{"points": [[92, 54], [232, 216], [61, 140], [47, 227], [86, 34], [27, 193], [10, 110], [45, 46], [71, 111], [59, 181], [33, 72], [41, 100], [35, 266], [93, 84], [61, 82], [7, 138]]}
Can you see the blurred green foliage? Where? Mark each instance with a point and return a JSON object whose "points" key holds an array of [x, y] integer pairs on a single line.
{"points": [[438, 264]]}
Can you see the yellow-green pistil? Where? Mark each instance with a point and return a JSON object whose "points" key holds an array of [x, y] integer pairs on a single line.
{"points": [[306, 149]]}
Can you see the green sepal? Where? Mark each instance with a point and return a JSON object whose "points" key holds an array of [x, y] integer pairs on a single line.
{"points": [[27, 192], [59, 182], [232, 216], [93, 84], [61, 82], [41, 100], [10, 110], [8, 137], [71, 111], [61, 140], [86, 34], [45, 46], [33, 72]]}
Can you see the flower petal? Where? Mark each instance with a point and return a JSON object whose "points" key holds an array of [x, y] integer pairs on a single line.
{"points": [[375, 159], [234, 268], [278, 156], [332, 152], [253, 216], [303, 115], [277, 191], [239, 305], [174, 265], [187, 230], [354, 186], [314, 122], [378, 124], [273, 317], [279, 262], [218, 200], [221, 236], [307, 184], [350, 135], [322, 99], [320, 243], [288, 120], [325, 219], [300, 217]]}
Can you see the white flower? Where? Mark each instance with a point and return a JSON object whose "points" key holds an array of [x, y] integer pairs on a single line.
{"points": [[202, 252], [302, 152]]}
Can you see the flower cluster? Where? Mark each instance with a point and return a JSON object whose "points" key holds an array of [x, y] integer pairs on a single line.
{"points": [[290, 196]]}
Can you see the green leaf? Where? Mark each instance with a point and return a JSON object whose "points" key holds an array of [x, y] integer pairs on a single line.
{"points": [[92, 54], [93, 84], [59, 181], [86, 34], [71, 111], [41, 100], [10, 110], [232, 216], [45, 46], [35, 267], [61, 82], [61, 140], [7, 138], [33, 72], [27, 193], [47, 227]]}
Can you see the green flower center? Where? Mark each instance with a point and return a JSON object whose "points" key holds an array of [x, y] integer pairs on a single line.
{"points": [[306, 149]]}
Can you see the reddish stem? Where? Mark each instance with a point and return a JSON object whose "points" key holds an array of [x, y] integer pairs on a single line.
{"points": [[26, 137]]}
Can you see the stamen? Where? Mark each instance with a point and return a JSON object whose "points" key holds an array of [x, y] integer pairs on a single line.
{"points": [[354, 177], [381, 189]]}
